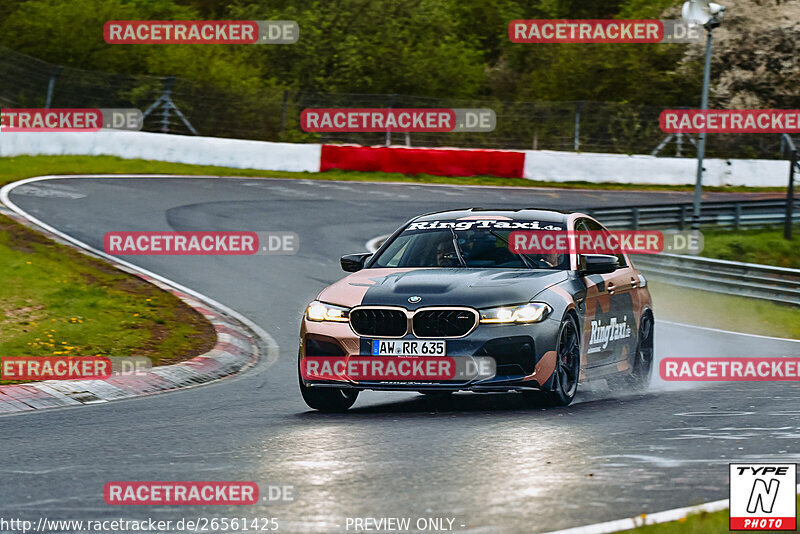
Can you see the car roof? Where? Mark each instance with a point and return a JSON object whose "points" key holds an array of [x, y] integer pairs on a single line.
{"points": [[525, 214]]}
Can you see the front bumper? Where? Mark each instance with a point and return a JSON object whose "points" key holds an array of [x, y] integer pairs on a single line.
{"points": [[524, 355]]}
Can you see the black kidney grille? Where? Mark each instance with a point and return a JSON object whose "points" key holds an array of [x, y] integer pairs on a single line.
{"points": [[443, 323], [378, 322]]}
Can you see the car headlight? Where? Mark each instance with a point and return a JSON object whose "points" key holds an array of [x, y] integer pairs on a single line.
{"points": [[533, 312], [319, 311]]}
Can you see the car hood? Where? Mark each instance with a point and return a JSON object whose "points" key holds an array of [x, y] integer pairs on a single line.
{"points": [[478, 288]]}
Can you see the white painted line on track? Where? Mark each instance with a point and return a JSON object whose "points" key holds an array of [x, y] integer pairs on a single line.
{"points": [[314, 181], [648, 519], [645, 519], [728, 332], [273, 350]]}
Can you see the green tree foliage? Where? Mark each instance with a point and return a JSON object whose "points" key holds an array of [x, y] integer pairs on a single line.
{"points": [[436, 48]]}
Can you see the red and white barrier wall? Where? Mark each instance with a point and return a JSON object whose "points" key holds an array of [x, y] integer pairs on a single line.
{"points": [[236, 153], [541, 165], [550, 166], [436, 161]]}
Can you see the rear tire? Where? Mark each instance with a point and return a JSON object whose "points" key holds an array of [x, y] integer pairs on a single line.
{"points": [[642, 368]]}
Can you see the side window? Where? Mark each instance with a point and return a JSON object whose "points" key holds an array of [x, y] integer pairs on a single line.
{"points": [[580, 226], [392, 256], [595, 226]]}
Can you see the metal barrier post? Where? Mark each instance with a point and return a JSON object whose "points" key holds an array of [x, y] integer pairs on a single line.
{"points": [[50, 85], [167, 95], [388, 140], [165, 100], [787, 225], [577, 136], [283, 113]]}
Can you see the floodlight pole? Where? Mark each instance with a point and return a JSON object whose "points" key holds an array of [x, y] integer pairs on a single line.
{"points": [[701, 146]]}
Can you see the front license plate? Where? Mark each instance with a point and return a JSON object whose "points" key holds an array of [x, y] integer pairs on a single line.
{"points": [[402, 347]]}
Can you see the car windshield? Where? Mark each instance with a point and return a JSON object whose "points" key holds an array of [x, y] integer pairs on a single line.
{"points": [[484, 247]]}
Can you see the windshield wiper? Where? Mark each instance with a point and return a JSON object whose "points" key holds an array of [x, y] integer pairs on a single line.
{"points": [[523, 257], [457, 248]]}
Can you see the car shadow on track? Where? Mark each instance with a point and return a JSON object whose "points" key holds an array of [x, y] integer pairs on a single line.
{"points": [[481, 404]]}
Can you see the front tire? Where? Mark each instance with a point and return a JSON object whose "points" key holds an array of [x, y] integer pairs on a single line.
{"points": [[567, 370], [328, 400]]}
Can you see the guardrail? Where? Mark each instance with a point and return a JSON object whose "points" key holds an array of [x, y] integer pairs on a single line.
{"points": [[788, 147], [733, 214], [775, 284]]}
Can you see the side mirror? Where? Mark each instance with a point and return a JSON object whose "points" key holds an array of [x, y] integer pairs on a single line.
{"points": [[597, 264], [354, 262]]}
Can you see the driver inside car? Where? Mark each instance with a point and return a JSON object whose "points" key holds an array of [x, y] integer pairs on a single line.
{"points": [[446, 254], [545, 261]]}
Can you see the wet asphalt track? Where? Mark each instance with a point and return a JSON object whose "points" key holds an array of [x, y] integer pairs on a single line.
{"points": [[488, 462]]}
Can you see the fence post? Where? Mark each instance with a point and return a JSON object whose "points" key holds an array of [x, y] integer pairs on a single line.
{"points": [[167, 98], [635, 215], [389, 133], [682, 222], [577, 139], [283, 112], [787, 225], [50, 85], [737, 215]]}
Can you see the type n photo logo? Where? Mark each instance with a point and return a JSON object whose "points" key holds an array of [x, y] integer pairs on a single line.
{"points": [[763, 496]]}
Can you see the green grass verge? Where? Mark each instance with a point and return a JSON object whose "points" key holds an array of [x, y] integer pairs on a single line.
{"points": [[764, 245], [702, 523], [15, 168], [728, 312], [55, 301]]}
